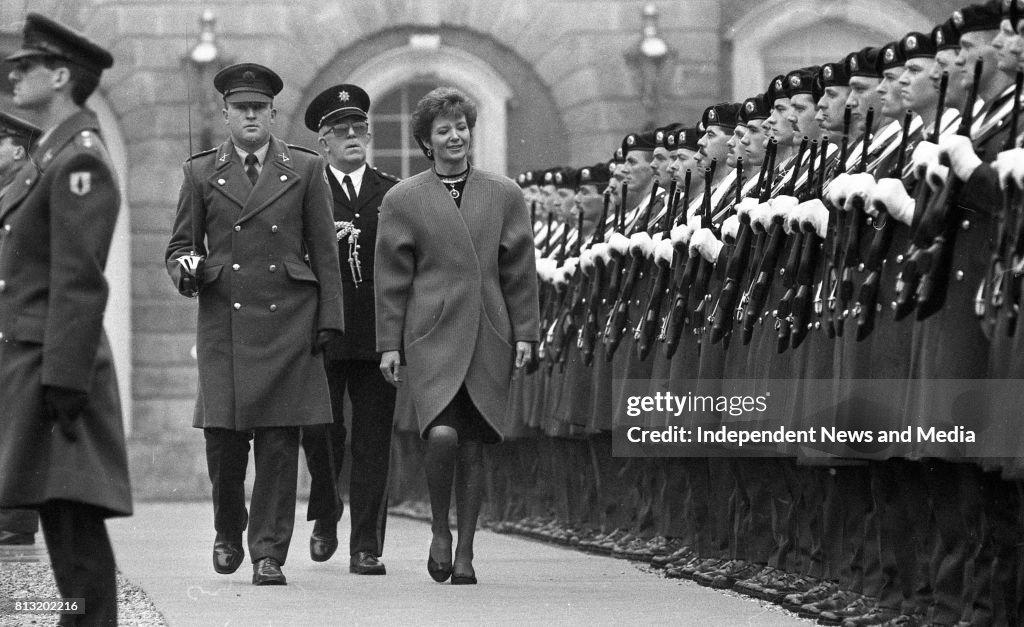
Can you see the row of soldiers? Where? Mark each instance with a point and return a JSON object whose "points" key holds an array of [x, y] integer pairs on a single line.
{"points": [[857, 223]]}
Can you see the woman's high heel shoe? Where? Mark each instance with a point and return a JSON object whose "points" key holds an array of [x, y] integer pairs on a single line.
{"points": [[439, 572]]}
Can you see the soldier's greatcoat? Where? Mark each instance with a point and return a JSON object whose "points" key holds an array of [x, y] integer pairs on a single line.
{"points": [[455, 288], [261, 302], [56, 222]]}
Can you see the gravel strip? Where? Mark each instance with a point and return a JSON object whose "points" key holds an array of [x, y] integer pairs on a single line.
{"points": [[34, 579]]}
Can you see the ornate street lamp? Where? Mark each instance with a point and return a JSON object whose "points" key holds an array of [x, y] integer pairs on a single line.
{"points": [[648, 59], [203, 61]]}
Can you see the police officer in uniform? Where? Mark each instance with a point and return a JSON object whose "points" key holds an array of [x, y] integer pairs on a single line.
{"points": [[339, 116], [254, 239], [62, 450]]}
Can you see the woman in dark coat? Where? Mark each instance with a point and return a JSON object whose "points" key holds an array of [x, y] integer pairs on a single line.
{"points": [[456, 302]]}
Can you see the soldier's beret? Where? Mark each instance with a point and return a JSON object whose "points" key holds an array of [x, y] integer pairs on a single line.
{"points": [[724, 114], [618, 156], [22, 131], [946, 36], [524, 179], [755, 108], [643, 142], [43, 37], [891, 57], [978, 17], [1015, 13], [335, 103], [687, 138], [597, 174], [865, 62], [560, 177], [803, 81], [248, 82], [665, 136], [917, 45], [833, 75], [776, 89]]}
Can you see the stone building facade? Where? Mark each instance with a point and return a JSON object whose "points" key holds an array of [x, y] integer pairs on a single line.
{"points": [[558, 82]]}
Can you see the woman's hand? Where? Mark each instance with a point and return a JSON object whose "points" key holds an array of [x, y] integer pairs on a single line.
{"points": [[524, 352], [390, 361]]}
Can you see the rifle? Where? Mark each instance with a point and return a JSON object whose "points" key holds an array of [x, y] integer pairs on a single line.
{"points": [[851, 237], [1001, 276], [908, 278], [772, 250], [619, 226], [706, 267], [617, 320], [644, 335], [943, 215], [799, 240], [837, 227], [810, 257], [674, 322], [738, 260], [588, 332], [763, 192], [566, 319], [555, 297], [867, 299]]}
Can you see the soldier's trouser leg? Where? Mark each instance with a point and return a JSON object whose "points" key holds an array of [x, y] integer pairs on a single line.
{"points": [[227, 455], [324, 499], [853, 487], [951, 544], [276, 453], [82, 559], [19, 520]]}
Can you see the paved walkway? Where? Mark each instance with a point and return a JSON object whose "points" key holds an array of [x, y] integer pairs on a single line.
{"points": [[165, 549]]}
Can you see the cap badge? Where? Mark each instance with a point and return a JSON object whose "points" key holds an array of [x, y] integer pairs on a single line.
{"points": [[890, 55], [854, 64], [585, 174], [548, 177], [682, 137], [794, 81], [659, 136], [343, 96], [712, 115], [631, 140], [778, 85], [958, 19], [750, 107], [940, 39], [671, 140], [912, 42], [249, 77], [827, 72]]}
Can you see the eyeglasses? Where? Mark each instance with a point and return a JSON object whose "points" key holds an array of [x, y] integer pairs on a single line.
{"points": [[359, 129]]}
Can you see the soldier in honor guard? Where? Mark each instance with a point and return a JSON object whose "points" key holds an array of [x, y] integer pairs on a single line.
{"points": [[249, 212], [339, 116], [62, 451], [17, 137]]}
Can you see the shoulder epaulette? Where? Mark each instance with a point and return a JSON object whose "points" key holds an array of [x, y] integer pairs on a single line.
{"points": [[383, 174], [303, 149], [88, 139], [200, 154]]}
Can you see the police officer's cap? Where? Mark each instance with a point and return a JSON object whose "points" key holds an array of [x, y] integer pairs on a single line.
{"points": [[597, 174], [43, 37], [665, 136], [978, 17], [724, 114], [248, 82], [22, 130], [891, 57], [755, 108], [643, 142], [917, 45], [866, 62], [335, 103]]}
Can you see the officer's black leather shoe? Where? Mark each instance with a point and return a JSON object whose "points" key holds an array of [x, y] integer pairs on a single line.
{"points": [[267, 572], [10, 538], [365, 563], [324, 541], [227, 554]]}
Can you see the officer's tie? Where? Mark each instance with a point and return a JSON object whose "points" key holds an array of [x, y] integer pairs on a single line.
{"points": [[349, 188], [250, 168]]}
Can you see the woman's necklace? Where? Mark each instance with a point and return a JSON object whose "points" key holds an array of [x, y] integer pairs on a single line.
{"points": [[455, 182]]}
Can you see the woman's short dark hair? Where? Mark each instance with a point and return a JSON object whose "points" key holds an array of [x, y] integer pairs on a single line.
{"points": [[443, 101]]}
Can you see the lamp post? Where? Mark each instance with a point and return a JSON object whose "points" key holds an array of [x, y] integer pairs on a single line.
{"points": [[648, 59], [203, 60]]}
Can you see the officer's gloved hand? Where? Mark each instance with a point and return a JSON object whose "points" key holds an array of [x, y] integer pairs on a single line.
{"points": [[962, 157], [890, 195], [838, 190], [814, 217], [323, 338], [860, 186], [1009, 165], [189, 271], [64, 406], [925, 154], [705, 244], [730, 228]]}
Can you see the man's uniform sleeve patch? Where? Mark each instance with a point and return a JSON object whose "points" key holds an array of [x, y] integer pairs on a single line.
{"points": [[81, 183]]}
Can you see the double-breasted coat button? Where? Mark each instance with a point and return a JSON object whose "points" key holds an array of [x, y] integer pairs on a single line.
{"points": [[272, 268], [273, 308], [238, 227], [357, 215], [273, 229], [7, 227], [237, 306], [236, 267], [959, 275], [965, 225]]}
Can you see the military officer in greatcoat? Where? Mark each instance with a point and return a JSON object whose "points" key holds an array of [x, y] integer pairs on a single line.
{"points": [[254, 239], [339, 117], [62, 451]]}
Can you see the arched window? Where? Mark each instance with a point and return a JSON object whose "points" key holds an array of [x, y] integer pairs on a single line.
{"points": [[394, 150]]}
